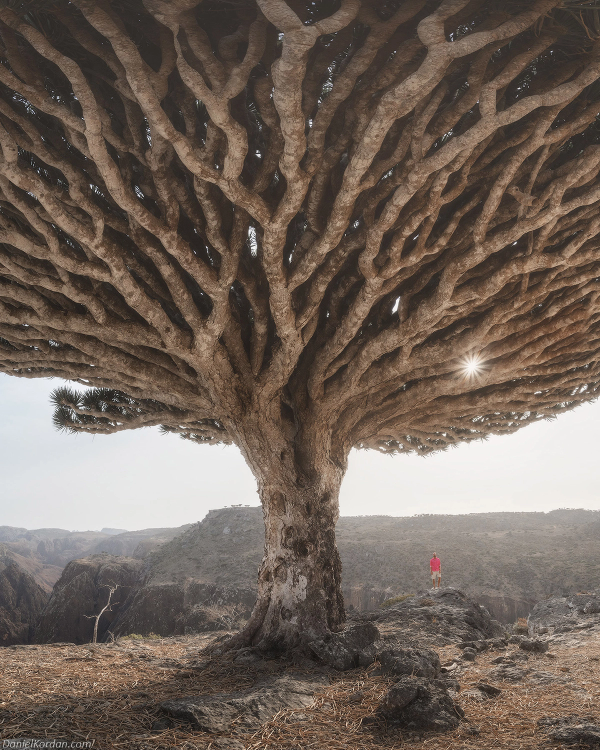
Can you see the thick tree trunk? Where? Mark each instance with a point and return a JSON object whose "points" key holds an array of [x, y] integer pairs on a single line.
{"points": [[299, 582]]}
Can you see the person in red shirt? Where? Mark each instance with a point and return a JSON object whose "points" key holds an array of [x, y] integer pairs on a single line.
{"points": [[435, 565]]}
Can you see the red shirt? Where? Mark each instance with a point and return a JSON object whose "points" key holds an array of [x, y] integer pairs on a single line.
{"points": [[435, 563]]}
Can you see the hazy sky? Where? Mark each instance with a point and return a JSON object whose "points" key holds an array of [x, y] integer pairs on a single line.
{"points": [[141, 479]]}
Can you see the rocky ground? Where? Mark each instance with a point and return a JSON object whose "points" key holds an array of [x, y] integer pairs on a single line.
{"points": [[539, 688]]}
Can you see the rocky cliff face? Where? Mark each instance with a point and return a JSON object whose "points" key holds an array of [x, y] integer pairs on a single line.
{"points": [[225, 549], [505, 608], [203, 579], [81, 592], [566, 613], [185, 607], [21, 602]]}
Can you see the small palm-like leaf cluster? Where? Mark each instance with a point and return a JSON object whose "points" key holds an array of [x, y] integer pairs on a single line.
{"points": [[105, 410]]}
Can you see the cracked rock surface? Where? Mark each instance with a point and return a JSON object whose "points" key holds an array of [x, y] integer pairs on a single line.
{"points": [[248, 708], [420, 704]]}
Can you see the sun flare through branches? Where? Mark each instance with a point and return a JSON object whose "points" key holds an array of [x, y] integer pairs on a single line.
{"points": [[472, 366]]}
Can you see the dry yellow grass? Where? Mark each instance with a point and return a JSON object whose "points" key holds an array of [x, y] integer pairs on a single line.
{"points": [[110, 694]]}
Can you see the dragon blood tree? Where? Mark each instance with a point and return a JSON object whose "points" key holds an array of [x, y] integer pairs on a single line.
{"points": [[302, 226]]}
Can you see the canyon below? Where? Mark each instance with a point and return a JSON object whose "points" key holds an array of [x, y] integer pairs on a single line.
{"points": [[202, 577]]}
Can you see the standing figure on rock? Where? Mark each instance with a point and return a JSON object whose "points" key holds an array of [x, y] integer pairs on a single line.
{"points": [[435, 565]]}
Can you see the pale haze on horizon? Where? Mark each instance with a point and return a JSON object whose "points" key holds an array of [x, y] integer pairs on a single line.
{"points": [[140, 479]]}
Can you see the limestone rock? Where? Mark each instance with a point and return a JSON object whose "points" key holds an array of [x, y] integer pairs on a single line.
{"points": [[478, 646], [410, 661], [534, 645], [504, 660], [546, 678], [583, 732], [416, 703], [508, 673], [249, 708], [566, 611], [491, 691], [582, 735], [437, 618], [354, 647]]}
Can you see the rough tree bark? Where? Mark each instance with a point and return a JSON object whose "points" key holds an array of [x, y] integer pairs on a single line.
{"points": [[299, 581], [302, 227]]}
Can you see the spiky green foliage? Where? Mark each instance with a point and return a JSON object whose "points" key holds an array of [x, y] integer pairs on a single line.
{"points": [[105, 410]]}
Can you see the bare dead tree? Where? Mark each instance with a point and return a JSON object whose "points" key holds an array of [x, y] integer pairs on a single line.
{"points": [[301, 227], [111, 590]]}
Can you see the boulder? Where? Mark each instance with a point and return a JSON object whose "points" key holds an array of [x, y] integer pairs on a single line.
{"points": [[354, 647], [478, 646], [508, 673], [248, 708], [534, 645], [566, 612], [451, 685], [546, 678], [579, 731], [410, 661], [438, 618], [418, 704], [581, 735], [491, 691]]}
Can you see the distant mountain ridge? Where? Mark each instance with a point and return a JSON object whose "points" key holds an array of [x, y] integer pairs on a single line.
{"points": [[43, 553], [507, 561]]}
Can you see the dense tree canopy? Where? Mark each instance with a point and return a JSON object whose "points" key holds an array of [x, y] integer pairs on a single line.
{"points": [[302, 226]]}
